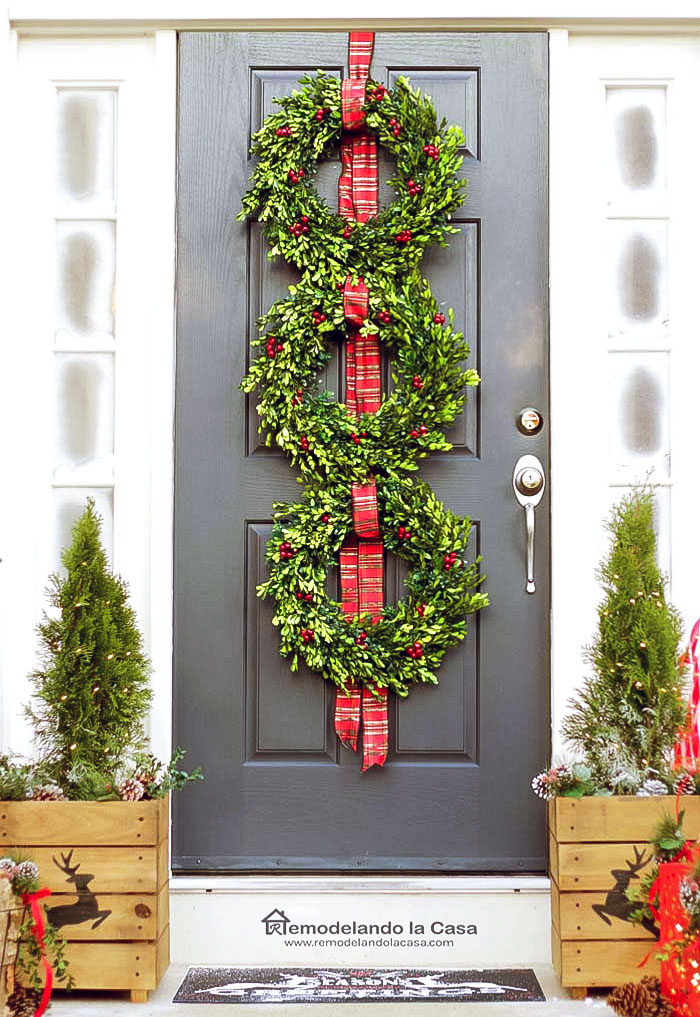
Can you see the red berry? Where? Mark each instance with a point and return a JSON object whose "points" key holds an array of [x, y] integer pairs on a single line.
{"points": [[325, 518], [410, 183], [346, 233], [308, 597], [423, 429], [439, 319], [421, 609], [304, 218], [299, 595], [414, 433], [278, 348], [417, 381]]}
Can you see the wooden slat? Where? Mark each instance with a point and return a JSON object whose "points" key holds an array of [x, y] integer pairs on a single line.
{"points": [[556, 953], [133, 916], [162, 910], [76, 823], [576, 919], [114, 869], [553, 857], [163, 953], [618, 818], [112, 966], [600, 866], [163, 863], [597, 963]]}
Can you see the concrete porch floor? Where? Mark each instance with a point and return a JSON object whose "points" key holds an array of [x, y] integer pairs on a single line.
{"points": [[90, 1004]]}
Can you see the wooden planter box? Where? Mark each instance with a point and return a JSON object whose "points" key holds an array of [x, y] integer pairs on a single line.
{"points": [[106, 864], [597, 848]]}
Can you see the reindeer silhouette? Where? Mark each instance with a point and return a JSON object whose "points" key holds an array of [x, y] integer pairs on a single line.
{"points": [[617, 905], [85, 907]]}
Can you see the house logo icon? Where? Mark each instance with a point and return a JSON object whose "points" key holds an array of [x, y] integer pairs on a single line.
{"points": [[276, 921]]}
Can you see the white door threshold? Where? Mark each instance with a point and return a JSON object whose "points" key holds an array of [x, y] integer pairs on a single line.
{"points": [[311, 920]]}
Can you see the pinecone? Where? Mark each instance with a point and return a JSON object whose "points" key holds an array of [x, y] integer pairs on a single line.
{"points": [[48, 793], [652, 788], [684, 785], [630, 1000], [23, 1002], [9, 866], [658, 1005], [131, 790], [27, 870], [689, 895]]}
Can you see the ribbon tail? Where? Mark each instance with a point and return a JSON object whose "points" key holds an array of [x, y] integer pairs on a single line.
{"points": [[375, 727], [348, 713], [38, 933]]}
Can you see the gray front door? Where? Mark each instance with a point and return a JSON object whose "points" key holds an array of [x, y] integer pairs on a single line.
{"points": [[281, 793]]}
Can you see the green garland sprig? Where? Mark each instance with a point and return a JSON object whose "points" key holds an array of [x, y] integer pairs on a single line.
{"points": [[325, 442]]}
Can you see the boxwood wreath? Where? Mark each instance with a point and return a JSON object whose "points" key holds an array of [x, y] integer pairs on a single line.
{"points": [[329, 446]]}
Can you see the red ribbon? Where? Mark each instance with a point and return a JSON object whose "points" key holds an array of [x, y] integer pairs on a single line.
{"points": [[687, 750], [37, 930], [362, 555], [679, 969]]}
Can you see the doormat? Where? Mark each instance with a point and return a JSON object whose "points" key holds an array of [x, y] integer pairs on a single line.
{"points": [[356, 985]]}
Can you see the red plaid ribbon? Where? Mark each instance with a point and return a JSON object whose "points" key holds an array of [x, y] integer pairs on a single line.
{"points": [[678, 982], [362, 555]]}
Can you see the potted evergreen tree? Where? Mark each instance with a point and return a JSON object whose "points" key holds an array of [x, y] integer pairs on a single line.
{"points": [[623, 724], [101, 832]]}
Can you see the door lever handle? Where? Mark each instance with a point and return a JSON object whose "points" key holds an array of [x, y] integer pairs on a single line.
{"points": [[528, 485]]}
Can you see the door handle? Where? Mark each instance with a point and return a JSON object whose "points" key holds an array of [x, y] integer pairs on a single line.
{"points": [[528, 485]]}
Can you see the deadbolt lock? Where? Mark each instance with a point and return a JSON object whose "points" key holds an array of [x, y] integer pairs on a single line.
{"points": [[530, 421]]}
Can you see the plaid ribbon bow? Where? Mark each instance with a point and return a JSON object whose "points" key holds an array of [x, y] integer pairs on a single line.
{"points": [[362, 555]]}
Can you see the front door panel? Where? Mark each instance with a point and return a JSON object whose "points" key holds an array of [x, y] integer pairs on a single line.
{"points": [[281, 792]]}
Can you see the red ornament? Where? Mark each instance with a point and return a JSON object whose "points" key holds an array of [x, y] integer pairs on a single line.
{"points": [[404, 237], [417, 381], [439, 319], [284, 132]]}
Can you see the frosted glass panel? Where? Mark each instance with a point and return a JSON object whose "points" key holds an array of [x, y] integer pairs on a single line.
{"points": [[639, 425], [662, 522], [85, 145], [84, 409], [69, 505], [637, 142], [85, 254], [638, 277]]}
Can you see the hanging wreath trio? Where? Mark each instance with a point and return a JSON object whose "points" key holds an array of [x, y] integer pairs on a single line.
{"points": [[332, 448]]}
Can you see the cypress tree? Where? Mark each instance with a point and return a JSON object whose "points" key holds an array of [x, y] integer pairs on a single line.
{"points": [[91, 694], [627, 715]]}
